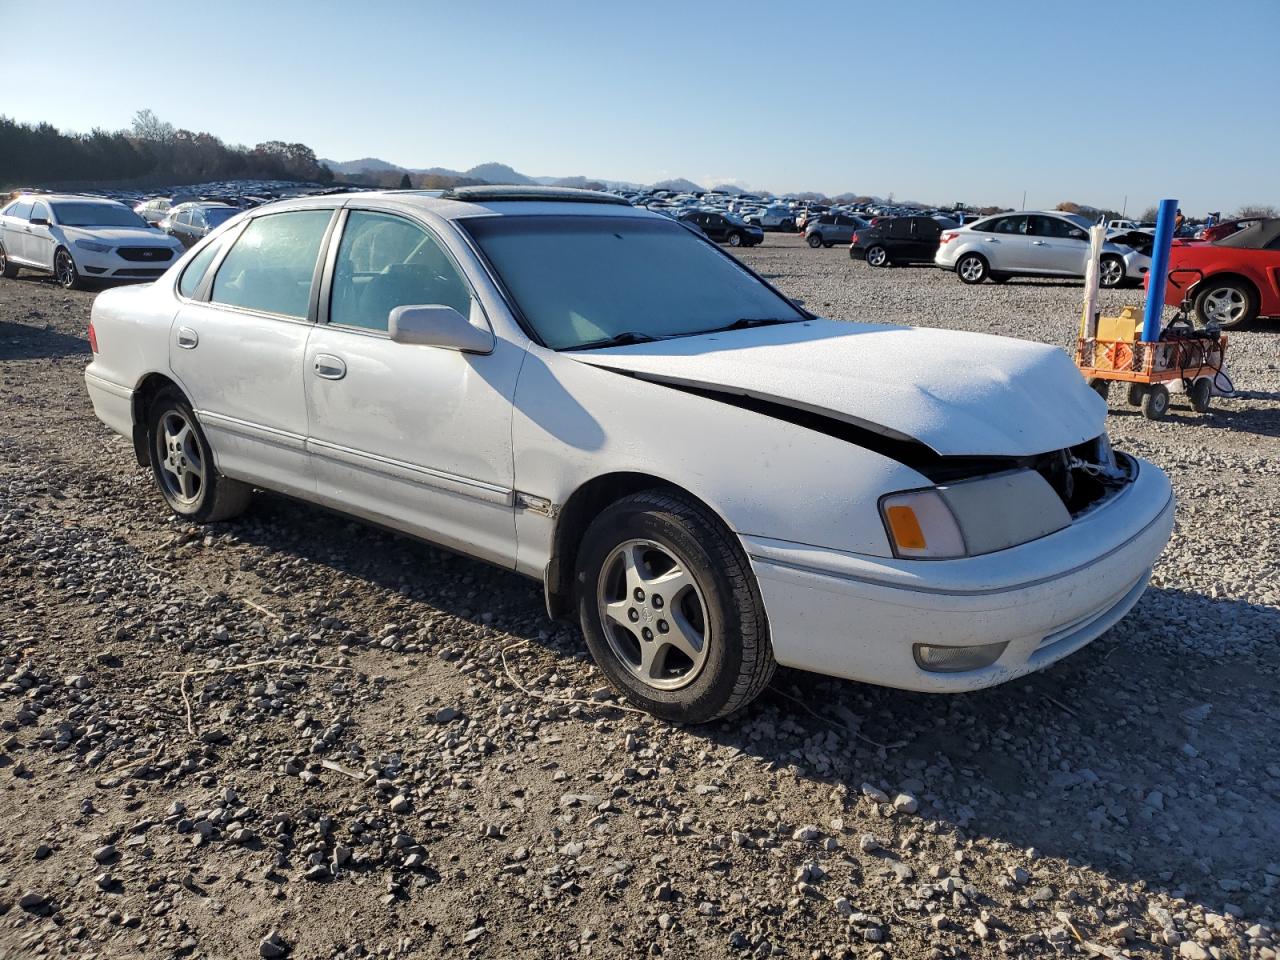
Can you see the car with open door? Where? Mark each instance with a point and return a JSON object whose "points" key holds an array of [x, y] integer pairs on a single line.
{"points": [[709, 479]]}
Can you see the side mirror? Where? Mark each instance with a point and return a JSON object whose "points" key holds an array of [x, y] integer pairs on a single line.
{"points": [[38, 222], [435, 325]]}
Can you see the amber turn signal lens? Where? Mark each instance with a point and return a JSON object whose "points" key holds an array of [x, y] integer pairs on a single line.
{"points": [[905, 528]]}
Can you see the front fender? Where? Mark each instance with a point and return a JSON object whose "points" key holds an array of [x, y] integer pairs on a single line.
{"points": [[574, 422]]}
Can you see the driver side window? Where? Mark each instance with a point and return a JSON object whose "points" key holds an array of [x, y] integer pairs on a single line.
{"points": [[385, 262]]}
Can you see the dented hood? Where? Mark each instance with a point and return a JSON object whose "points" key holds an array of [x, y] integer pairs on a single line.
{"points": [[961, 394]]}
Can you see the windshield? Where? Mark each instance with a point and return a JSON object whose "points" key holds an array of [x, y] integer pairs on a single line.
{"points": [[583, 280], [216, 215], [96, 215]]}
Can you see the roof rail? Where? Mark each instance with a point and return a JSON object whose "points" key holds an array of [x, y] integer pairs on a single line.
{"points": [[485, 193]]}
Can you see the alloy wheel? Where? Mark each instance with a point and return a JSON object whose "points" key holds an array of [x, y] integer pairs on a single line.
{"points": [[876, 256], [971, 269], [1110, 272], [1225, 306], [182, 463], [653, 614], [64, 268]]}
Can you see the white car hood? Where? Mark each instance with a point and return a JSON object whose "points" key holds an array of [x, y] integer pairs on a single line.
{"points": [[961, 394], [125, 236]]}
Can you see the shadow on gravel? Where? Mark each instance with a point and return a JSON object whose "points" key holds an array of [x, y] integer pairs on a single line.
{"points": [[21, 341], [1259, 422], [1144, 755]]}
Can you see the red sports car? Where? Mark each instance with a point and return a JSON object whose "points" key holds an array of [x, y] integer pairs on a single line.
{"points": [[1241, 275]]}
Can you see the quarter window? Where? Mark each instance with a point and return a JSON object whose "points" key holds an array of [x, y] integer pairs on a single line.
{"points": [[196, 270], [21, 210], [272, 264], [386, 262]]}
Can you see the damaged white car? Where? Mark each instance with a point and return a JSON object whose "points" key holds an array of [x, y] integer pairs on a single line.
{"points": [[708, 478]]}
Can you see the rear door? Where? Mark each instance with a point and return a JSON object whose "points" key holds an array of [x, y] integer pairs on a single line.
{"points": [[925, 232], [15, 226], [237, 347], [1007, 246]]}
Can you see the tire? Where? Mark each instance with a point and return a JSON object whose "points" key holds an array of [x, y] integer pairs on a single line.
{"points": [[1226, 303], [176, 444], [1101, 387], [972, 268], [8, 269], [1136, 393], [64, 270], [877, 256], [1155, 402], [1201, 395], [815, 240], [735, 239], [717, 657], [1110, 272]]}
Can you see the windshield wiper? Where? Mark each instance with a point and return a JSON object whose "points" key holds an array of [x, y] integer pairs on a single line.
{"points": [[623, 339], [748, 322]]}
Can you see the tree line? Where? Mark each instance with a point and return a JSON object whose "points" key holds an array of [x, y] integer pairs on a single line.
{"points": [[152, 150]]}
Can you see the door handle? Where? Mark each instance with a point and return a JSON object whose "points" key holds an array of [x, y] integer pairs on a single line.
{"points": [[991, 239], [330, 367], [187, 338], [1037, 243]]}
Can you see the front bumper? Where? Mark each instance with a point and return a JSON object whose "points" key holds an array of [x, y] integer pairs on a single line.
{"points": [[111, 266], [858, 617]]}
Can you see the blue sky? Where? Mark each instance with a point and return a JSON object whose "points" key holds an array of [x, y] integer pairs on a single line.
{"points": [[940, 101]]}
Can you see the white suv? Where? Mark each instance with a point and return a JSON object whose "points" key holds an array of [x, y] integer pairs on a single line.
{"points": [[1038, 244], [81, 238]]}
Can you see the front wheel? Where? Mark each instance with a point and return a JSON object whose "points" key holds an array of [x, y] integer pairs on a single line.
{"points": [[65, 272], [183, 466], [670, 608], [1226, 303], [1155, 402], [735, 239], [815, 240], [1201, 395], [8, 269], [971, 268], [1110, 272]]}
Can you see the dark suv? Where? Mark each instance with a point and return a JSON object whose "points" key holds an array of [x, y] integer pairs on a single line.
{"points": [[897, 240], [725, 229], [192, 222]]}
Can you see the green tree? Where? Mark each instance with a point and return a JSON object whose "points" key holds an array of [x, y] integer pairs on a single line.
{"points": [[405, 182]]}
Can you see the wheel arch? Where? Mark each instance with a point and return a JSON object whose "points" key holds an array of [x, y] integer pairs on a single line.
{"points": [[1234, 275], [573, 518], [143, 395]]}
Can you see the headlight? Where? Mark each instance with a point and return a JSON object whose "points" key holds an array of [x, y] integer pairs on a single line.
{"points": [[920, 524], [93, 245]]}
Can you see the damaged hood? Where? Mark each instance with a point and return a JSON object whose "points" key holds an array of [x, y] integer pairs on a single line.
{"points": [[961, 394]]}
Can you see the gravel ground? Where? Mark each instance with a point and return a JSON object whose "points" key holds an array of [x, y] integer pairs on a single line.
{"points": [[428, 767]]}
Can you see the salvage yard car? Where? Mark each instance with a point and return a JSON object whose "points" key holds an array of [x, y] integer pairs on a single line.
{"points": [[1233, 280], [78, 238], [1035, 244], [711, 480]]}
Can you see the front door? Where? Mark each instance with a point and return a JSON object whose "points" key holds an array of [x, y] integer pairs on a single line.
{"points": [[414, 436], [237, 348], [39, 244], [1063, 245]]}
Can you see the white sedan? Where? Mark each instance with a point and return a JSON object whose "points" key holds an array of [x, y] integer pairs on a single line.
{"points": [[81, 238], [709, 479]]}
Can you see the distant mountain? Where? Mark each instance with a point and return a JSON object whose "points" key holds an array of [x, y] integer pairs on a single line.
{"points": [[498, 173], [679, 184], [372, 164]]}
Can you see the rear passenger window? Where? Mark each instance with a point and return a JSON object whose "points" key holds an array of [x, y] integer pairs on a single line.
{"points": [[271, 266], [386, 262], [21, 210], [196, 269]]}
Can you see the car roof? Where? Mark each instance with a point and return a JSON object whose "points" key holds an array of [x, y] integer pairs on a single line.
{"points": [[465, 202], [57, 197], [1254, 236]]}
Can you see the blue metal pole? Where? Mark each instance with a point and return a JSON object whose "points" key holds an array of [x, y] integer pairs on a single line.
{"points": [[1158, 275]]}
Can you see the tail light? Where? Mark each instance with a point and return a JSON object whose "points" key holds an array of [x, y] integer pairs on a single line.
{"points": [[947, 238], [853, 239], [93, 339]]}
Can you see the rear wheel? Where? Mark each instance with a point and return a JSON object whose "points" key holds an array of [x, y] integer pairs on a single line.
{"points": [[815, 240], [670, 608], [1200, 394], [735, 239], [8, 269], [1136, 392], [183, 465], [1226, 303], [972, 268], [64, 270], [877, 256]]}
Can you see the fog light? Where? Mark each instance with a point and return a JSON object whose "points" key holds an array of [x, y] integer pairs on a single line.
{"points": [[957, 659]]}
